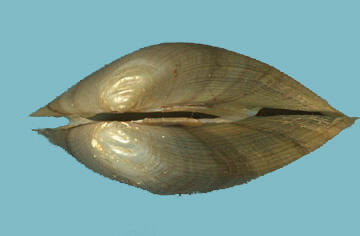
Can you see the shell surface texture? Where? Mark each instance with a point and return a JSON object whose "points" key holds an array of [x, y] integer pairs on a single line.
{"points": [[179, 118]]}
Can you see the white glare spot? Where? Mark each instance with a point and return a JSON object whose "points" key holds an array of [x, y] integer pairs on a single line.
{"points": [[94, 143], [121, 139]]}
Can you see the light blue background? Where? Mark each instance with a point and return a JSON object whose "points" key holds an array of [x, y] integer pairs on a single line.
{"points": [[47, 46]]}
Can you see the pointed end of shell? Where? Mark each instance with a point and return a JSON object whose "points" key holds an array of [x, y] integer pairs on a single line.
{"points": [[351, 120], [354, 119], [340, 124], [55, 136], [43, 112]]}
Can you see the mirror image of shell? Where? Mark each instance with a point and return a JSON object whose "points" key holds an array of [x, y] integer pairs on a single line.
{"points": [[181, 118]]}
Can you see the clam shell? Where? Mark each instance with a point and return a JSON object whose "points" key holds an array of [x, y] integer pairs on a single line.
{"points": [[257, 119]]}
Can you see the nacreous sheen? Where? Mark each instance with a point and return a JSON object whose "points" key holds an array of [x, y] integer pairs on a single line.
{"points": [[180, 118]]}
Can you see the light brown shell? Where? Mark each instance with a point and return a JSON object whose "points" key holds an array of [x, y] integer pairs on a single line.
{"points": [[184, 154]]}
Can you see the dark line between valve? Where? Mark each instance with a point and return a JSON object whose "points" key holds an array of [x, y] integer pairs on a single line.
{"points": [[131, 116]]}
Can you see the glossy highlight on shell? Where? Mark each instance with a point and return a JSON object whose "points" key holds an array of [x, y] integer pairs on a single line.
{"points": [[179, 118]]}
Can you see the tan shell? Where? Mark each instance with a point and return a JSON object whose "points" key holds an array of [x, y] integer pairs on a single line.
{"points": [[264, 119]]}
